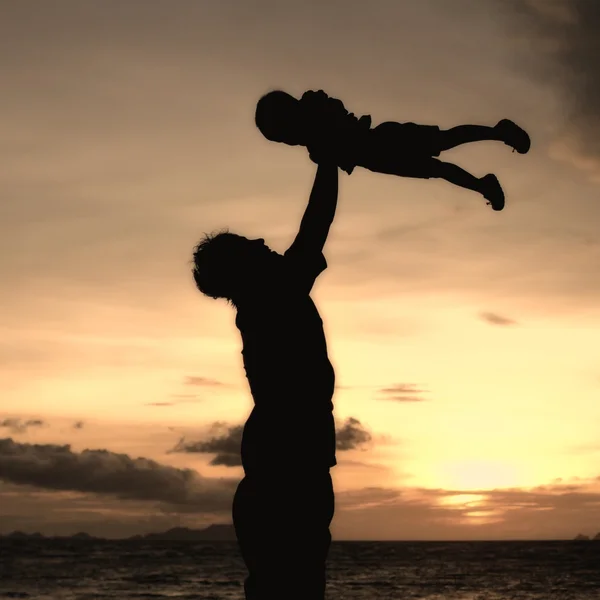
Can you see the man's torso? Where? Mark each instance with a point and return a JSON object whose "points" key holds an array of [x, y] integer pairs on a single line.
{"points": [[291, 379]]}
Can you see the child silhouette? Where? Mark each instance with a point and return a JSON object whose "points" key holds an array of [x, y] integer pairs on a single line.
{"points": [[329, 131]]}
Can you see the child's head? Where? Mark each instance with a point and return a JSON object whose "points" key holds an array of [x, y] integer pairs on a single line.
{"points": [[279, 118], [230, 266]]}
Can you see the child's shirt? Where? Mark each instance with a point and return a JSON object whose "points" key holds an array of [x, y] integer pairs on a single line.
{"points": [[333, 127]]}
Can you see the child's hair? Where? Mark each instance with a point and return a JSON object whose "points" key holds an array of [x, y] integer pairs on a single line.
{"points": [[272, 113], [214, 264]]}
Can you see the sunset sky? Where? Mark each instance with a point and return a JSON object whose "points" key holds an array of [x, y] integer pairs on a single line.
{"points": [[465, 341]]}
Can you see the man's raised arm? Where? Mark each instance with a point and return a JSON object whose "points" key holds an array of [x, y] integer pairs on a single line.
{"points": [[305, 256], [319, 213]]}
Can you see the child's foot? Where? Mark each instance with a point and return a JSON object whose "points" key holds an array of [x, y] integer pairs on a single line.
{"points": [[492, 191], [512, 135]]}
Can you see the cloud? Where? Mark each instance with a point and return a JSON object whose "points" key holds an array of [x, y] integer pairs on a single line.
{"points": [[225, 442], [59, 468], [202, 381], [226, 446], [177, 399], [351, 435], [53, 512], [590, 448], [554, 511], [403, 392], [88, 493], [20, 426], [360, 464], [496, 319], [565, 32]]}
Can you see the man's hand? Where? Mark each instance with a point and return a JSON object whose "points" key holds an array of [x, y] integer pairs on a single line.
{"points": [[322, 152], [315, 100], [323, 110]]}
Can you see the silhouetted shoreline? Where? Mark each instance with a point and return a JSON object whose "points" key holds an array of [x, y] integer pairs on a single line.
{"points": [[586, 538], [212, 533], [224, 532]]}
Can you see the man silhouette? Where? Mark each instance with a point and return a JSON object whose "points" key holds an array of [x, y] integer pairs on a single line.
{"points": [[285, 503]]}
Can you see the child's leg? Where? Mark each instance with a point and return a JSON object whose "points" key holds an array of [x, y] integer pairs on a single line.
{"points": [[488, 186], [454, 174], [504, 131], [420, 168], [465, 134]]}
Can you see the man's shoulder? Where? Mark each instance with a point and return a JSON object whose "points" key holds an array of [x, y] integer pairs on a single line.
{"points": [[300, 252]]}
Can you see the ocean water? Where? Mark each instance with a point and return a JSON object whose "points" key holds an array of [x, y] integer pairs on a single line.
{"points": [[127, 570]]}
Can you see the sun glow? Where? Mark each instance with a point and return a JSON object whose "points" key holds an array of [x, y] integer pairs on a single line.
{"points": [[467, 475], [463, 500]]}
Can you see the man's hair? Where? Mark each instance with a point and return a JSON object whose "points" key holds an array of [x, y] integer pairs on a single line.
{"points": [[214, 260]]}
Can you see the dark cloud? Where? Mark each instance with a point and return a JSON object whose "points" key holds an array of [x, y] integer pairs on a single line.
{"points": [[202, 381], [563, 47], [403, 392], [352, 435], [224, 441], [52, 512], [54, 467], [496, 319], [225, 444], [17, 426]]}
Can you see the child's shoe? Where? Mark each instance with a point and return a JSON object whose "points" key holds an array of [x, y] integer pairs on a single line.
{"points": [[512, 135], [492, 191]]}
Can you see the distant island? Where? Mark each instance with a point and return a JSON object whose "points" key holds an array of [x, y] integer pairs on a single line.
{"points": [[221, 532], [213, 533]]}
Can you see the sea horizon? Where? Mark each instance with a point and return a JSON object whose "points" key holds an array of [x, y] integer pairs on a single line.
{"points": [[61, 569]]}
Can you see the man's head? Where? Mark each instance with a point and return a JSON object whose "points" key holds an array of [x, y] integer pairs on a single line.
{"points": [[280, 119], [230, 266]]}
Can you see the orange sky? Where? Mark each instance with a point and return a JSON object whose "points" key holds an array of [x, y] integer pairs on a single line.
{"points": [[464, 341]]}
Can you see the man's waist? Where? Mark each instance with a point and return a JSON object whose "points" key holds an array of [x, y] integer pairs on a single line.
{"points": [[315, 382], [260, 451], [318, 412]]}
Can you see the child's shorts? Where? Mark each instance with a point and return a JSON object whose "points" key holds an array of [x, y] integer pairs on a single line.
{"points": [[403, 149], [408, 139]]}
